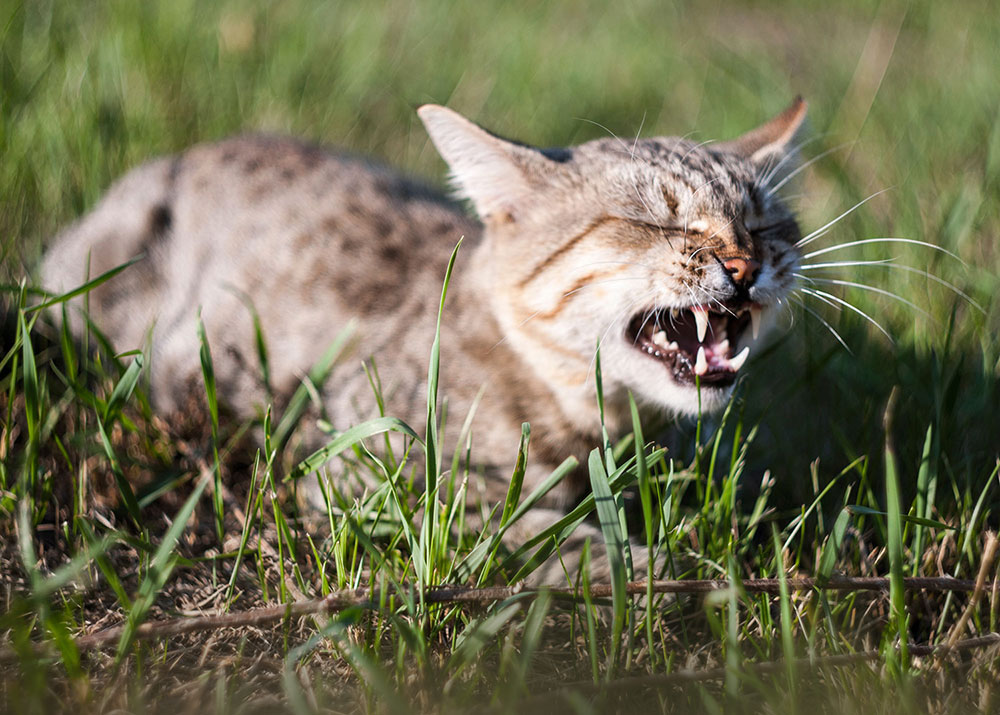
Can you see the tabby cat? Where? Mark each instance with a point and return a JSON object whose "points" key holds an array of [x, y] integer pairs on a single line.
{"points": [[669, 253]]}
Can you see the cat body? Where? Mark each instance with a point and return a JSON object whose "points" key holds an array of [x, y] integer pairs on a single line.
{"points": [[667, 252]]}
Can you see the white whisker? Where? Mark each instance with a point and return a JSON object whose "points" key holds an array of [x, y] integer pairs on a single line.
{"points": [[819, 231], [805, 165], [850, 306], [614, 321], [840, 246], [841, 264], [873, 289], [765, 180], [820, 298], [940, 281], [610, 133], [829, 327]]}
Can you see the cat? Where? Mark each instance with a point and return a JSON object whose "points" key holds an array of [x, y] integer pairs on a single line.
{"points": [[671, 254]]}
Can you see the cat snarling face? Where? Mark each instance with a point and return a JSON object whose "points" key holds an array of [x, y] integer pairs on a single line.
{"points": [[673, 255]]}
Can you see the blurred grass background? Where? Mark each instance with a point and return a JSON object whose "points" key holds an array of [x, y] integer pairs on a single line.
{"points": [[90, 89]]}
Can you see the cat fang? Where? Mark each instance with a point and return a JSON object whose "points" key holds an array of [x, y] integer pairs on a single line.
{"points": [[677, 337]]}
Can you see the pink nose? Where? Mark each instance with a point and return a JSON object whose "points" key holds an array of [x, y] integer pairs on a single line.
{"points": [[742, 270]]}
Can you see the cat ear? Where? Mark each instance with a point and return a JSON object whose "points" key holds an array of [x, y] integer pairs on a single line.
{"points": [[495, 174], [770, 139]]}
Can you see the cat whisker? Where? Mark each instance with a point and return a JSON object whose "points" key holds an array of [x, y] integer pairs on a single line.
{"points": [[635, 143], [873, 289], [617, 320], [841, 264], [805, 165], [764, 180], [930, 276], [849, 306], [721, 229], [940, 281], [649, 314], [696, 147], [809, 238], [829, 327], [687, 214], [787, 308], [610, 133], [699, 250], [812, 294], [862, 242]]}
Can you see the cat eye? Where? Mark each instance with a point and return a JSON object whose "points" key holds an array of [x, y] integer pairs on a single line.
{"points": [[782, 229]]}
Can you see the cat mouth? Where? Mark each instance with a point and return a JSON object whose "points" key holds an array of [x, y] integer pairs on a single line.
{"points": [[698, 343]]}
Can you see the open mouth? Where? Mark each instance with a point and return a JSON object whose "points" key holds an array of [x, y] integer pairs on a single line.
{"points": [[699, 342]]}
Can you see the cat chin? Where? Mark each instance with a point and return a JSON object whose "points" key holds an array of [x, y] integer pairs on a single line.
{"points": [[655, 387], [685, 401]]}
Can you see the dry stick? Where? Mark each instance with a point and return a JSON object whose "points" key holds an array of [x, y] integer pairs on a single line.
{"points": [[989, 553], [362, 597], [693, 676]]}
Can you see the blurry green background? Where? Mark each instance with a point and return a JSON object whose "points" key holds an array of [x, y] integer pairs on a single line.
{"points": [[88, 89]]}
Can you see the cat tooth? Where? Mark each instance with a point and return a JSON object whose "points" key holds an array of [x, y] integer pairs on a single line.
{"points": [[737, 362], [673, 345], [721, 348], [660, 338], [755, 319], [701, 322], [701, 362]]}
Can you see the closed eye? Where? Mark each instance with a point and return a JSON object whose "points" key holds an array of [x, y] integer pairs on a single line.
{"points": [[787, 230], [659, 228]]}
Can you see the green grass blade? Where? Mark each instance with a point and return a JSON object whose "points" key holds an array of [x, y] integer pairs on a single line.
{"points": [[160, 567], [517, 476], [478, 633], [121, 481], [904, 518], [317, 376], [785, 604], [487, 550], [927, 477], [123, 389], [831, 549], [432, 447], [86, 287], [29, 378], [899, 622], [347, 439], [211, 399], [615, 545]]}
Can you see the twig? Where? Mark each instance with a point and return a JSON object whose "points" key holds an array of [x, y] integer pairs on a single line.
{"points": [[368, 599], [986, 563]]}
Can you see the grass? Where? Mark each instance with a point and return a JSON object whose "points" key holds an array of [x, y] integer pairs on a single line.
{"points": [[105, 517]]}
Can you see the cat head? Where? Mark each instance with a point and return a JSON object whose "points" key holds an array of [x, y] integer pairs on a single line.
{"points": [[671, 254]]}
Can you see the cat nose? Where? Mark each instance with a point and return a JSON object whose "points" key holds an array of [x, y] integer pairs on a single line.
{"points": [[743, 271]]}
